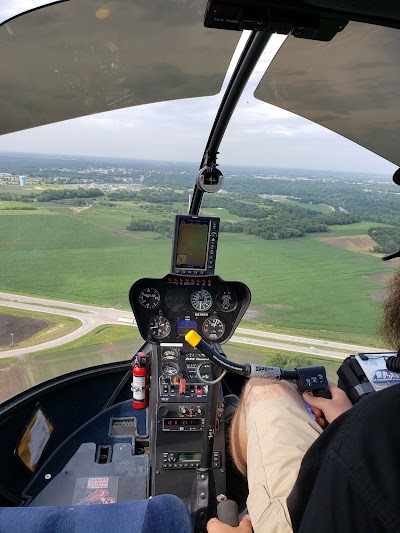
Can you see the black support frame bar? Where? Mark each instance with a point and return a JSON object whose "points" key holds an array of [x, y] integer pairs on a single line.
{"points": [[252, 51]]}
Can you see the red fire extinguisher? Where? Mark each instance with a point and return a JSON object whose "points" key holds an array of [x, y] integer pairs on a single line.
{"points": [[139, 382]]}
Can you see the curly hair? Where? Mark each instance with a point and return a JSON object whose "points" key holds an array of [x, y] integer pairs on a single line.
{"points": [[390, 325]]}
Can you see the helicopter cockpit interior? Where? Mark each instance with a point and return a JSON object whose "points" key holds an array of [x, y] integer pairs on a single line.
{"points": [[157, 424]]}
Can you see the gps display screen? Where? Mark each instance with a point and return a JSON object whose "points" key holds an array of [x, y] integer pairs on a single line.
{"points": [[191, 248]]}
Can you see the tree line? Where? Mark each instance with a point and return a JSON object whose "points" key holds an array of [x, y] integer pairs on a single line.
{"points": [[387, 239]]}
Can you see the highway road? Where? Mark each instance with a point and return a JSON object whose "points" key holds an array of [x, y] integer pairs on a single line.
{"points": [[91, 317]]}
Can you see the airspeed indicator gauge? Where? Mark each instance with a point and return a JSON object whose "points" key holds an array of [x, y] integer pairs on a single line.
{"points": [[201, 300], [159, 327], [213, 328], [149, 298]]}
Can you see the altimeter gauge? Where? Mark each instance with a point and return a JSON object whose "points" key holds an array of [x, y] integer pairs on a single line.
{"points": [[213, 328], [149, 298], [159, 327], [201, 300]]}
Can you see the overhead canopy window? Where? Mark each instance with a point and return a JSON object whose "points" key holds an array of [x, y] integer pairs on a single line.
{"points": [[350, 85], [78, 58]]}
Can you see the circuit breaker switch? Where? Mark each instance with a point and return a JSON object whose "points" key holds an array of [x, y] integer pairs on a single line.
{"points": [[182, 386]]}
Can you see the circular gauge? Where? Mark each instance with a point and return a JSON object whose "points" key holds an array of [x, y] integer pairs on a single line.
{"points": [[170, 353], [176, 299], [213, 328], [159, 327], [170, 369], [227, 300], [201, 300], [204, 369], [149, 298]]}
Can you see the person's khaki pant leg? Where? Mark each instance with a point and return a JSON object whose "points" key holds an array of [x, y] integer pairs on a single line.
{"points": [[280, 431]]}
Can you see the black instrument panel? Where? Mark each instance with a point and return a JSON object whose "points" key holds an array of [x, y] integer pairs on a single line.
{"points": [[166, 309]]}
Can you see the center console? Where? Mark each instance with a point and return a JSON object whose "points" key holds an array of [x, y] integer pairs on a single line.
{"points": [[177, 409], [191, 297]]}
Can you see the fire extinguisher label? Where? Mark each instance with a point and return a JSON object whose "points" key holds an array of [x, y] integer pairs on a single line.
{"points": [[138, 388]]}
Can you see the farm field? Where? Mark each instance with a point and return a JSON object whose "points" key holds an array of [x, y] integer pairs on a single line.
{"points": [[103, 335], [89, 257], [29, 328]]}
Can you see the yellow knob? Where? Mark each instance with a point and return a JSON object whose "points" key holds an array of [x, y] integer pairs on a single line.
{"points": [[192, 338]]}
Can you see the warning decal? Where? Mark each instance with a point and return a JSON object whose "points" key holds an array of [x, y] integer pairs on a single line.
{"points": [[95, 490], [97, 483]]}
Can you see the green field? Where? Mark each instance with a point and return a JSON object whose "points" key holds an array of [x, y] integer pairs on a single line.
{"points": [[103, 335], [89, 257], [321, 208], [58, 326], [50, 365]]}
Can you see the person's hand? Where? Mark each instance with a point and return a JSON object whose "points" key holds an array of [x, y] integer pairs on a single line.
{"points": [[330, 408], [215, 526]]}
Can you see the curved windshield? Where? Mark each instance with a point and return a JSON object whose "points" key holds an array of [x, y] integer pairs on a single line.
{"points": [[87, 205], [349, 85], [18, 7], [78, 58]]}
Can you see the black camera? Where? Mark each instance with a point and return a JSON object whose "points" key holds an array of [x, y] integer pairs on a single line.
{"points": [[364, 373]]}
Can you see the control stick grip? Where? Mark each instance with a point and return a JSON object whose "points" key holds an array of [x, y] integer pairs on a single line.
{"points": [[227, 512], [323, 393]]}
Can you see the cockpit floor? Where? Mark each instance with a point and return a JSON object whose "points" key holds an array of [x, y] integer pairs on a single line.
{"points": [[76, 464]]}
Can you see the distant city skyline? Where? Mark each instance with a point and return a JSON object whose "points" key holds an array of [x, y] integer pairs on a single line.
{"points": [[258, 135]]}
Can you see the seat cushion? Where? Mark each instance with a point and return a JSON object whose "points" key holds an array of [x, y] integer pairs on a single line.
{"points": [[165, 513]]}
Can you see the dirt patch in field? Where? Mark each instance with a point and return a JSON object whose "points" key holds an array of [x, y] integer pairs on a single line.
{"points": [[277, 306], [353, 243], [12, 380], [22, 328], [377, 295], [251, 314], [380, 277]]}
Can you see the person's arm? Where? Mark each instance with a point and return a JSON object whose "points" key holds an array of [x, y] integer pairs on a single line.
{"points": [[215, 526], [331, 409]]}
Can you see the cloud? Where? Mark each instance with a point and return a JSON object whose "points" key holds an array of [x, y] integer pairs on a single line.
{"points": [[9, 10]]}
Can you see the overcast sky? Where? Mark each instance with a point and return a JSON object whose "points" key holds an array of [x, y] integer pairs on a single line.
{"points": [[259, 134]]}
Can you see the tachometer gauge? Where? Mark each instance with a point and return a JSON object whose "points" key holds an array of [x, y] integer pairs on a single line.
{"points": [[149, 298], [170, 369], [169, 353], [213, 328], [227, 300], [159, 327], [201, 300]]}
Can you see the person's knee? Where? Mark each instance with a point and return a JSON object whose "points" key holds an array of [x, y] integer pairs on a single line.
{"points": [[256, 391]]}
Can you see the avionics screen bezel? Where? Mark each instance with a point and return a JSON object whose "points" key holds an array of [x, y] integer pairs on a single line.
{"points": [[210, 248]]}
